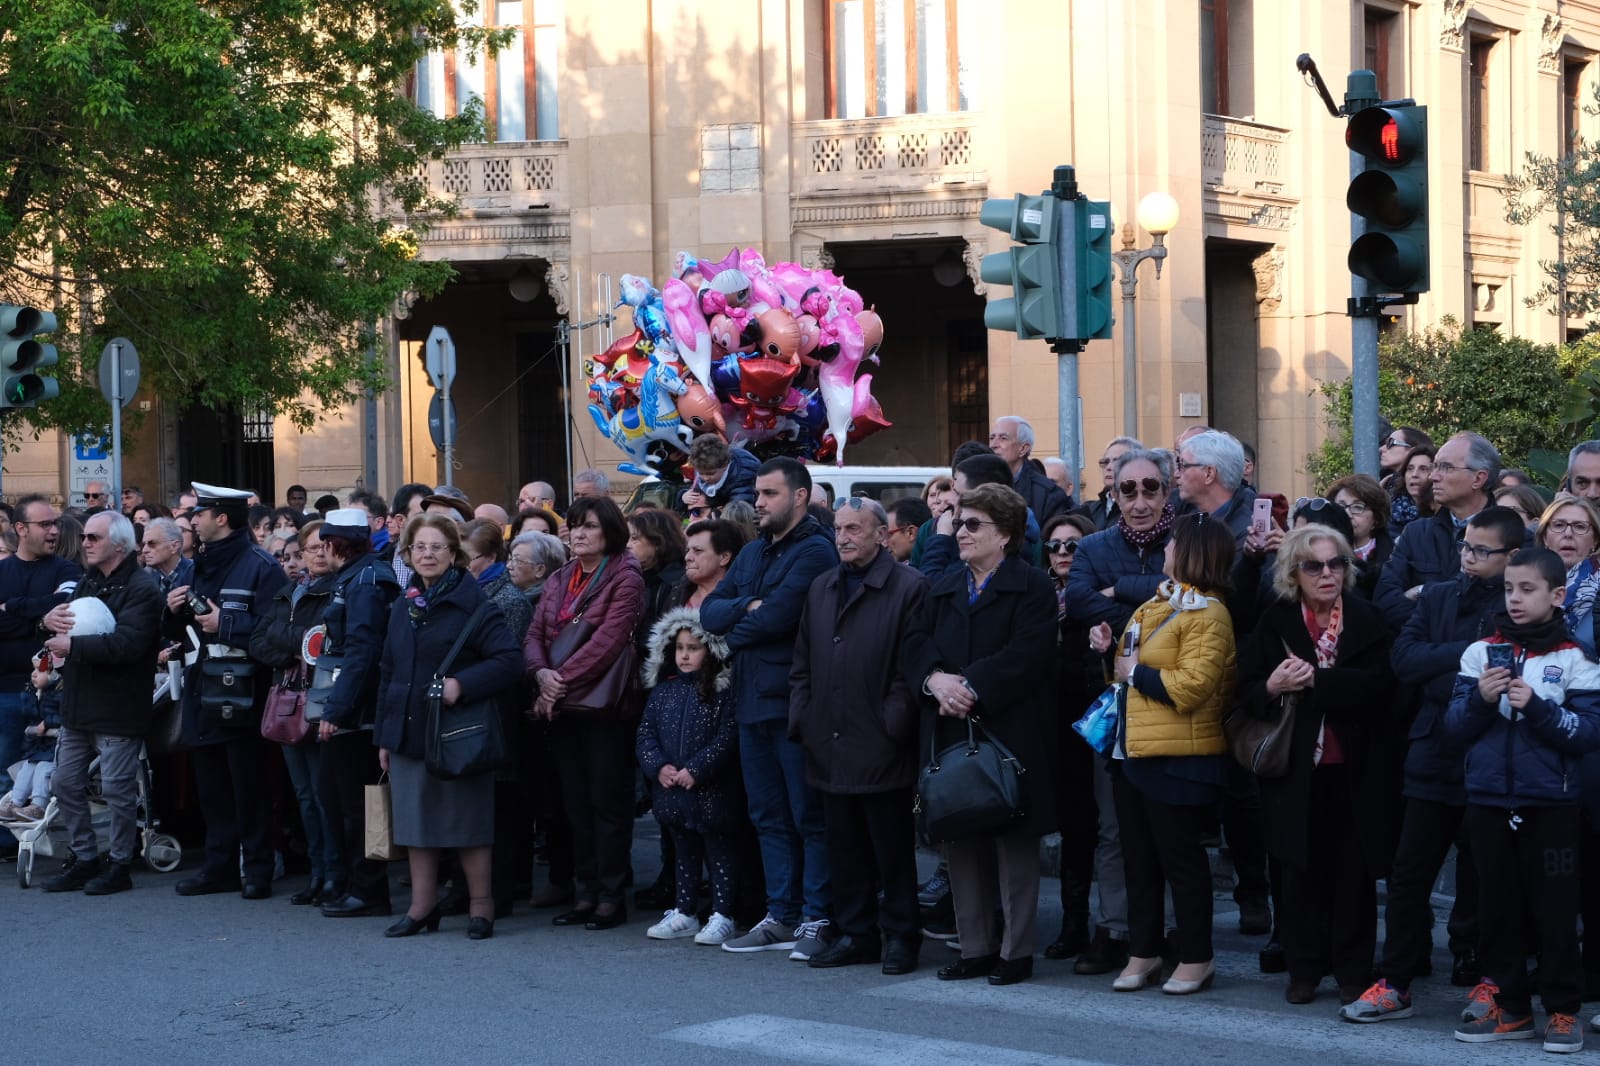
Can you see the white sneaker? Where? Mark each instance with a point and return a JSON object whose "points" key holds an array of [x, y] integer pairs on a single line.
{"points": [[717, 930], [673, 924]]}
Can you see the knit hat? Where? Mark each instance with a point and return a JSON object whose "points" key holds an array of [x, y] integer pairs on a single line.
{"points": [[665, 631]]}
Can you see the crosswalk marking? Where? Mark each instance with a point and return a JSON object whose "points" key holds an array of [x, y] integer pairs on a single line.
{"points": [[848, 1045]]}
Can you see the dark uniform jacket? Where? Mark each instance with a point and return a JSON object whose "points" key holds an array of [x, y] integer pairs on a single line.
{"points": [[357, 619]]}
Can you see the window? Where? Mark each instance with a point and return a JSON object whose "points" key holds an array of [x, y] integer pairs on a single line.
{"points": [[524, 102], [1478, 155], [899, 57], [1571, 104], [1214, 56], [1378, 38]]}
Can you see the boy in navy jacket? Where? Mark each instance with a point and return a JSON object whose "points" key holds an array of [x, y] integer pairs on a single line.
{"points": [[1527, 707]]}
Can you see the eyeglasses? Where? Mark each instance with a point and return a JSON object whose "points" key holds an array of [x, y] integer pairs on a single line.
{"points": [[93, 538], [971, 525], [49, 523], [1184, 464], [1577, 526], [855, 503], [1479, 552], [1068, 548], [1314, 567], [1447, 468], [517, 560], [430, 549], [1354, 508], [1152, 487]]}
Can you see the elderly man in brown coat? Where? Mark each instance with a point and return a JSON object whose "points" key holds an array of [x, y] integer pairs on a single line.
{"points": [[858, 720]]}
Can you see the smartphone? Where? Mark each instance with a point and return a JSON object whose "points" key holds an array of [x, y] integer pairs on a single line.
{"points": [[1261, 516], [1500, 656], [1130, 639]]}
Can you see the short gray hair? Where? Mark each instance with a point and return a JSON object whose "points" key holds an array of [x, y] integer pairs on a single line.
{"points": [[1161, 460], [1220, 451], [1024, 429], [1126, 442], [1583, 447], [593, 477], [1481, 455], [166, 527], [547, 549], [119, 531]]}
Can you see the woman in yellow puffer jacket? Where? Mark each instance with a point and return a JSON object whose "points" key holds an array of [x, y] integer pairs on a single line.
{"points": [[1167, 769]]}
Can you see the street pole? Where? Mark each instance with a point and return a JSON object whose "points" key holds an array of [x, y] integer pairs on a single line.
{"points": [[449, 434], [1128, 259], [1361, 90], [116, 426]]}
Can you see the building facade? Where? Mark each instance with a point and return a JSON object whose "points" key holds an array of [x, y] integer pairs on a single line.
{"points": [[865, 135]]}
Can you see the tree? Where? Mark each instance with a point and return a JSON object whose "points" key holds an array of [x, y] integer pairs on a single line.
{"points": [[232, 185], [1563, 188]]}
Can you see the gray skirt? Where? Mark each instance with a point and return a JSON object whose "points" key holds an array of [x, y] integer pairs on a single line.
{"points": [[430, 813]]}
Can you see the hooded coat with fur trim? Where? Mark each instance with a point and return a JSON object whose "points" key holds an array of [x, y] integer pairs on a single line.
{"points": [[681, 729]]}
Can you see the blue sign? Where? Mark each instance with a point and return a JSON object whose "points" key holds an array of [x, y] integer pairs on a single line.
{"points": [[88, 447]]}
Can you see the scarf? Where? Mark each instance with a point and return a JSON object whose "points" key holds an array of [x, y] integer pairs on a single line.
{"points": [[1534, 638], [418, 599], [1582, 584], [490, 575], [1402, 509], [1144, 538], [1327, 644], [1182, 597]]}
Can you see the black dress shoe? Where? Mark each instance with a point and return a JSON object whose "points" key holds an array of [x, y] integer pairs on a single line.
{"points": [[1272, 959], [309, 896], [606, 916], [479, 928], [201, 885], [1011, 971], [256, 890], [409, 926], [1466, 971], [1074, 940], [578, 915], [848, 950], [355, 907], [900, 954], [967, 969]]}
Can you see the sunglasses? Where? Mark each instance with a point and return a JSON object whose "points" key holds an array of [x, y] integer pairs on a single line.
{"points": [[94, 495], [1314, 567], [971, 525], [1068, 548], [1314, 504], [1395, 442], [1152, 487], [93, 538]]}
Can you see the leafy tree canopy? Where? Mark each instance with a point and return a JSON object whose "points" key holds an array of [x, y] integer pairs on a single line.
{"points": [[232, 185]]}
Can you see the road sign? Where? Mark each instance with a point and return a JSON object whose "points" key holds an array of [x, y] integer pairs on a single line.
{"points": [[441, 358], [119, 350], [436, 409]]}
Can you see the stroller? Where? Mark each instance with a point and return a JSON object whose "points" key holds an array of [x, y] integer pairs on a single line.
{"points": [[46, 836]]}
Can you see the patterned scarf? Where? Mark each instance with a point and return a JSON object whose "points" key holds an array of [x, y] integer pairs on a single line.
{"points": [[418, 598], [1328, 639], [1143, 538]]}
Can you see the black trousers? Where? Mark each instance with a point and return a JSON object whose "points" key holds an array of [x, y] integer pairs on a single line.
{"points": [[715, 851], [1529, 875], [511, 861], [597, 772], [349, 765], [549, 809], [1244, 833], [233, 787], [1078, 818], [872, 846], [1589, 889], [1427, 830], [1329, 921], [1161, 846]]}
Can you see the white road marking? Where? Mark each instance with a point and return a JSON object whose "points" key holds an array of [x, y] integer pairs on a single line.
{"points": [[794, 1040]]}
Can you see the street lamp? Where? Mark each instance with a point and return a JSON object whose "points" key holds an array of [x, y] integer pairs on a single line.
{"points": [[1157, 214]]}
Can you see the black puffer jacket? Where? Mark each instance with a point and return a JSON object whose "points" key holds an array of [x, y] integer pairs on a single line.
{"points": [[276, 639], [107, 679]]}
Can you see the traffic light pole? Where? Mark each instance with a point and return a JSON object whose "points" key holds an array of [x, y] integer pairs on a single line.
{"points": [[1360, 93]]}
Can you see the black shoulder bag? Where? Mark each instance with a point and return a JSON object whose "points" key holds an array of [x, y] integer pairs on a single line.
{"points": [[972, 788], [467, 739]]}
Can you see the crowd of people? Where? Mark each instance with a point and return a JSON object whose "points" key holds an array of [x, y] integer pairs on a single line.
{"points": [[1335, 690]]}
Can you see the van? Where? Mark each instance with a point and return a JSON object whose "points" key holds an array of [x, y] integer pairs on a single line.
{"points": [[886, 484]]}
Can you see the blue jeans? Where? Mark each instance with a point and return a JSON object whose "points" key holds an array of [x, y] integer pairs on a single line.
{"points": [[303, 761], [787, 814], [14, 715]]}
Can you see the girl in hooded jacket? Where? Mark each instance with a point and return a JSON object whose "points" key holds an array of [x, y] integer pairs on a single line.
{"points": [[687, 747]]}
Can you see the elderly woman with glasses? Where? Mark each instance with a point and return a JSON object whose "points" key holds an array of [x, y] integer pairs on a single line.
{"points": [[1325, 653], [1114, 572], [1570, 527]]}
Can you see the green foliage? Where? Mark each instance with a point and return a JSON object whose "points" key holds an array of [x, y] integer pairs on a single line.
{"points": [[1445, 379], [231, 185], [1561, 191]]}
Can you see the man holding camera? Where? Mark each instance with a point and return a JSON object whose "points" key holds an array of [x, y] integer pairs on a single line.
{"points": [[234, 582]]}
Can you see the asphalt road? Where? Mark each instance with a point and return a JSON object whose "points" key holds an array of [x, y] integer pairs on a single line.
{"points": [[148, 976]]}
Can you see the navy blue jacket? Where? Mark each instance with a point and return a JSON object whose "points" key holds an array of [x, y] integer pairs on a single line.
{"points": [[1449, 616], [489, 665], [41, 705], [762, 641], [241, 579], [681, 729], [1044, 496], [738, 484], [1107, 560], [28, 590], [1530, 757], [357, 618], [941, 555], [1427, 551]]}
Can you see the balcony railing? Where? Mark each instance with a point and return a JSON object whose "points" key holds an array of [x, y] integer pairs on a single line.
{"points": [[906, 151], [503, 179], [1243, 156]]}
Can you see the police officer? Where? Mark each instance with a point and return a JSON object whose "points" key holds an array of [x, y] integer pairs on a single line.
{"points": [[234, 583], [356, 619]]}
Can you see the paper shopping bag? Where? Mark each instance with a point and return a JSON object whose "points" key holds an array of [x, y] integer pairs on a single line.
{"points": [[380, 824]]}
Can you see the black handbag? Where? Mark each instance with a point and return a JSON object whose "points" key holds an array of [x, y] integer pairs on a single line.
{"points": [[468, 739], [228, 694], [323, 678], [972, 788]]}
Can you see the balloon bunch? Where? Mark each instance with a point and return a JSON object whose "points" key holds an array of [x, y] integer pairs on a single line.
{"points": [[767, 358]]}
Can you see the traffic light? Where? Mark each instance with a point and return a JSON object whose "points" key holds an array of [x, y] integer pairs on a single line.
{"points": [[1093, 243], [22, 355], [1033, 270], [1391, 194]]}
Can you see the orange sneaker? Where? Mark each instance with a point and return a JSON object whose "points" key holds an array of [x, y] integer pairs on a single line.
{"points": [[1496, 1025]]}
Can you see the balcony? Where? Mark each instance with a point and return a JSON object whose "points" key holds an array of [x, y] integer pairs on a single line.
{"points": [[1245, 166], [874, 172], [513, 199]]}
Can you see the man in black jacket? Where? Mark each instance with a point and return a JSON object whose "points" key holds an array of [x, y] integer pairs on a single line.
{"points": [[234, 583], [101, 714], [1012, 440]]}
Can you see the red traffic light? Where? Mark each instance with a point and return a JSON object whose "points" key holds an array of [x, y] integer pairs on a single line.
{"points": [[1389, 136]]}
